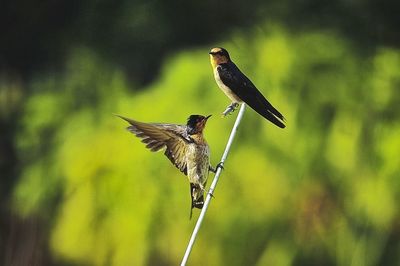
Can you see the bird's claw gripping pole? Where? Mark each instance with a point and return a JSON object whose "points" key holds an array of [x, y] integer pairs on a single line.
{"points": [[213, 185], [230, 109]]}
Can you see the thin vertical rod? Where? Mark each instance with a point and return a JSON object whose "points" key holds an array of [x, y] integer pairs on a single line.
{"points": [[213, 185]]}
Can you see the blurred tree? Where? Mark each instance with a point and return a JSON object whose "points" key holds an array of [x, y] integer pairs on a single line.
{"points": [[138, 34], [75, 189]]}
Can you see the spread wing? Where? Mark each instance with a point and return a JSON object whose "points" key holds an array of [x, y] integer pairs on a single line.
{"points": [[232, 77], [158, 136]]}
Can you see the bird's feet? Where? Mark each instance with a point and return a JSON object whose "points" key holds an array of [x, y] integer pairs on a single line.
{"points": [[230, 109], [212, 169], [210, 192], [219, 165]]}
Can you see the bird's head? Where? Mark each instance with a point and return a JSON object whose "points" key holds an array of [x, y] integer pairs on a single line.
{"points": [[218, 56], [196, 124]]}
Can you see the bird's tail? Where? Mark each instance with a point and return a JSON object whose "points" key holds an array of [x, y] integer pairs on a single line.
{"points": [[269, 112], [264, 108], [197, 195]]}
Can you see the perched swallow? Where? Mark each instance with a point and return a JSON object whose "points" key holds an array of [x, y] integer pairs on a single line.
{"points": [[239, 88], [185, 147]]}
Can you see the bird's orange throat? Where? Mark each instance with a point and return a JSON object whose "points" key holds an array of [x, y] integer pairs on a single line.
{"points": [[216, 59], [198, 138]]}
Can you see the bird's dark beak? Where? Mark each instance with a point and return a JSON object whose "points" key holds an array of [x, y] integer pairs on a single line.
{"points": [[211, 53], [207, 117]]}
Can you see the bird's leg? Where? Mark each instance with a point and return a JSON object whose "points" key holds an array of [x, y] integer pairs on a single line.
{"points": [[214, 170], [231, 108], [210, 193]]}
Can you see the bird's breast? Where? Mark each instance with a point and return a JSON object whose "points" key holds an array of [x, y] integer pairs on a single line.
{"points": [[198, 161], [228, 92]]}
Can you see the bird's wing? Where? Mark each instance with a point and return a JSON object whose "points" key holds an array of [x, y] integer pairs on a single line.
{"points": [[157, 136], [232, 77]]}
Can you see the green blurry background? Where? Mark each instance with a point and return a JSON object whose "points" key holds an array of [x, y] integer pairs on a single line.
{"points": [[78, 189]]}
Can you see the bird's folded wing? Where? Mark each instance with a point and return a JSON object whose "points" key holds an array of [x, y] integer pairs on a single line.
{"points": [[156, 136], [232, 77]]}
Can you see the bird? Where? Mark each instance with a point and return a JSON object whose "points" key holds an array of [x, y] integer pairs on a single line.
{"points": [[239, 88], [185, 146]]}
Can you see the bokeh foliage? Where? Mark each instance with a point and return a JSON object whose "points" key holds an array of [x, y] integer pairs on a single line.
{"points": [[323, 191]]}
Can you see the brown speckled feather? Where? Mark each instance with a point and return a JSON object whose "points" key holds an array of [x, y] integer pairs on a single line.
{"points": [[156, 136]]}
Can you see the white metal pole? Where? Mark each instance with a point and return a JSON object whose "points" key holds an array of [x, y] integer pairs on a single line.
{"points": [[213, 185]]}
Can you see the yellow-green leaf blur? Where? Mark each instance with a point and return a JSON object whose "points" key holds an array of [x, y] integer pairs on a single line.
{"points": [[323, 191]]}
